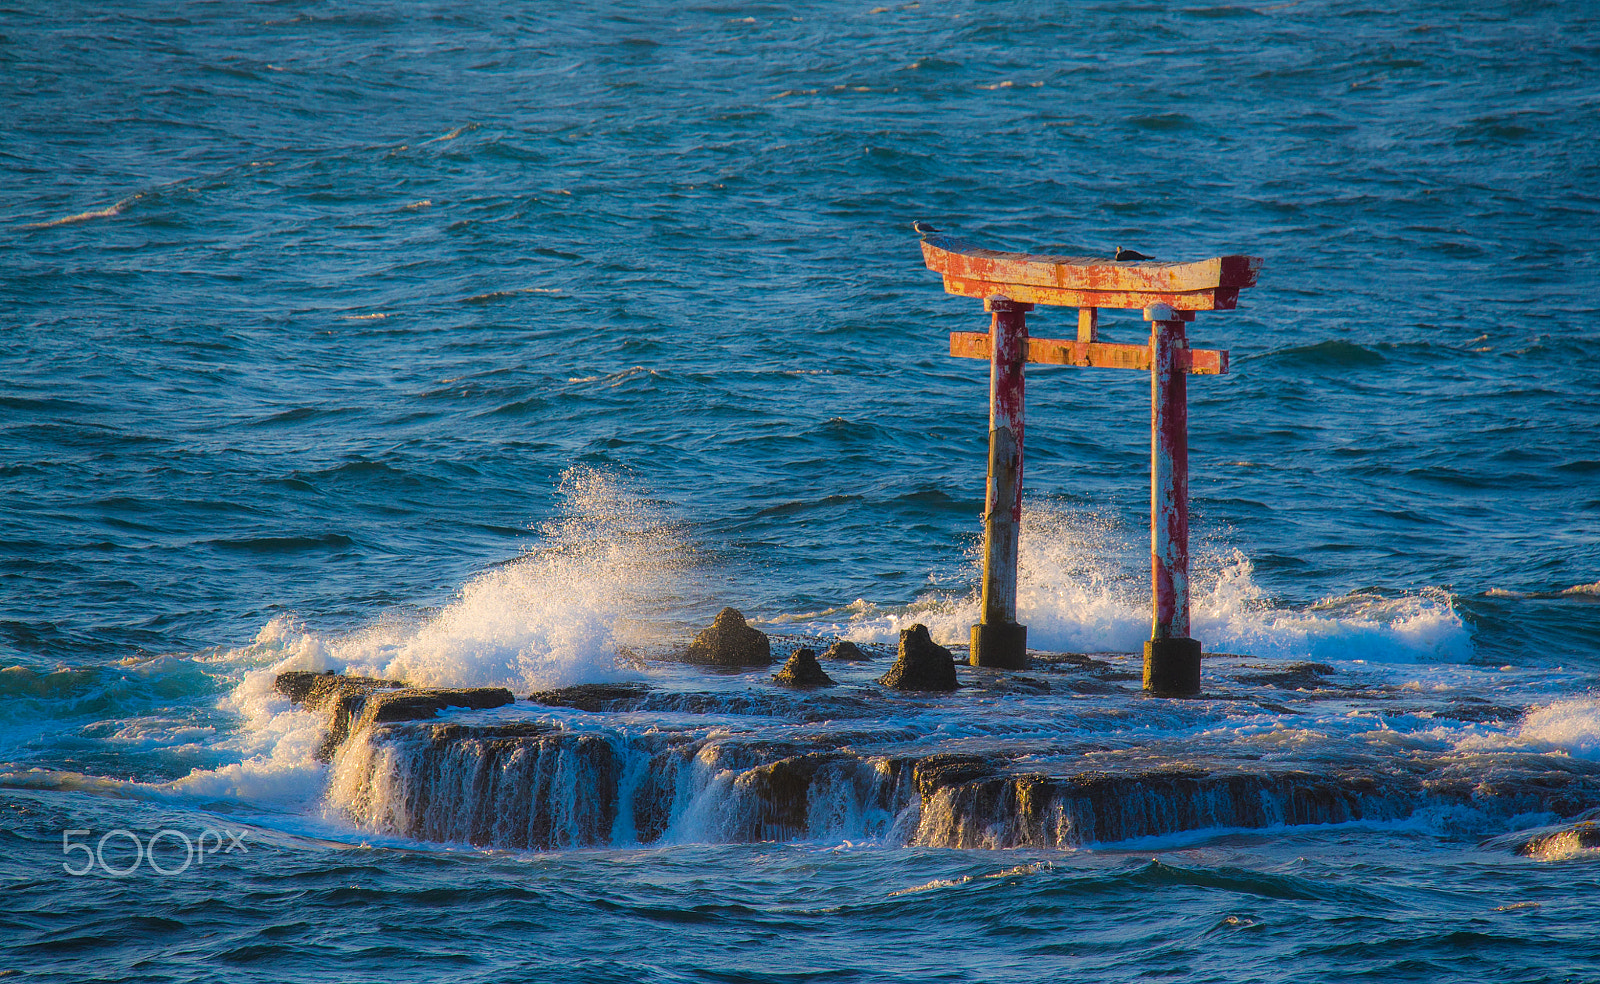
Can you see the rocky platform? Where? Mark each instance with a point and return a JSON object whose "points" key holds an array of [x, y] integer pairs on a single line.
{"points": [[1069, 754]]}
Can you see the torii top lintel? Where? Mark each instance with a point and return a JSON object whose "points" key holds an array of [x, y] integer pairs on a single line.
{"points": [[1088, 282]]}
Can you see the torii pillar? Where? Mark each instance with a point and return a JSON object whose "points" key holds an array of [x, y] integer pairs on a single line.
{"points": [[998, 640]]}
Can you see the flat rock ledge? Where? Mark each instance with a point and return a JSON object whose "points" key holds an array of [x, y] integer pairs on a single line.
{"points": [[595, 696], [419, 704], [730, 641], [803, 670], [314, 691], [922, 664], [354, 703]]}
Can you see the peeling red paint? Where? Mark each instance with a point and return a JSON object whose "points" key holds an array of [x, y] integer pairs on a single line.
{"points": [[1008, 338], [1094, 355], [963, 261], [1169, 481]]}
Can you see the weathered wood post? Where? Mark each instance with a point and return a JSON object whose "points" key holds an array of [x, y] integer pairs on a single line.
{"points": [[997, 640], [1169, 294], [1171, 658]]}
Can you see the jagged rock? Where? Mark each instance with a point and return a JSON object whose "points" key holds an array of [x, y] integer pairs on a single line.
{"points": [[802, 670], [730, 641], [845, 649], [922, 663]]}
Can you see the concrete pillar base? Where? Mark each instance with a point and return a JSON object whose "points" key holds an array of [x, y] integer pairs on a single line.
{"points": [[1172, 667], [1002, 645]]}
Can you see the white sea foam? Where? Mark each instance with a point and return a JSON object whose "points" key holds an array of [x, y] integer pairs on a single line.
{"points": [[1083, 587], [275, 768], [554, 617], [615, 379], [109, 211], [1571, 726], [1421, 626], [1019, 871], [277, 764]]}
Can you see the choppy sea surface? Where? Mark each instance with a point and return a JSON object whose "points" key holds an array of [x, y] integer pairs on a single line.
{"points": [[504, 344]]}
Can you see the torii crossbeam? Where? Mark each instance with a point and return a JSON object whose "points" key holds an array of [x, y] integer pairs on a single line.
{"points": [[1010, 284]]}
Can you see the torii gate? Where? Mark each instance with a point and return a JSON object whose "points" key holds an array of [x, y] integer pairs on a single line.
{"points": [[1010, 284]]}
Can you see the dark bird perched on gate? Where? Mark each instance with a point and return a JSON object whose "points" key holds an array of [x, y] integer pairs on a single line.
{"points": [[1128, 254], [923, 228]]}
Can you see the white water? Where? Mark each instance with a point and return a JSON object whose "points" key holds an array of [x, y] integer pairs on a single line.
{"points": [[604, 572], [1083, 586], [554, 617]]}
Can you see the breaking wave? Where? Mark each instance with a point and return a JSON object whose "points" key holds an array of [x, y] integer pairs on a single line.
{"points": [[558, 615], [1083, 586]]}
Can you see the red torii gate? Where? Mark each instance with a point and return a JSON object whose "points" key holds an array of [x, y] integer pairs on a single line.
{"points": [[1010, 284]]}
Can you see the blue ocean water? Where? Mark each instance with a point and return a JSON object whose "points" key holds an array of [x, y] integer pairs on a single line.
{"points": [[505, 344]]}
